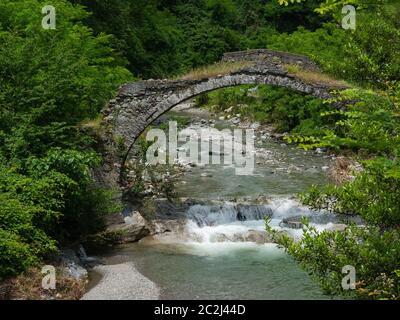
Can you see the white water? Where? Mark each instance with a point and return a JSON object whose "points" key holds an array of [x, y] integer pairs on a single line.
{"points": [[230, 223], [214, 260]]}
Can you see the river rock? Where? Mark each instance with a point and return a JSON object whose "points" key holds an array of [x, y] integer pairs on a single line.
{"points": [[257, 236], [72, 265], [206, 175], [293, 222], [255, 125], [132, 229], [221, 237], [312, 170], [235, 121], [320, 150], [75, 271], [161, 226], [337, 227], [135, 227]]}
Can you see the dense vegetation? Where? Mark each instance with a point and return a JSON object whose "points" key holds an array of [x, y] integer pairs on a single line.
{"points": [[53, 82], [369, 128], [167, 37]]}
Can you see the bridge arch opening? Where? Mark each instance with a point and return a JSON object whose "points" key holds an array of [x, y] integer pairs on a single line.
{"points": [[138, 104], [253, 95]]}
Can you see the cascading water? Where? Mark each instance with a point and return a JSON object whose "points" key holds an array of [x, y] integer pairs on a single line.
{"points": [[225, 222], [205, 215], [226, 254], [230, 222]]}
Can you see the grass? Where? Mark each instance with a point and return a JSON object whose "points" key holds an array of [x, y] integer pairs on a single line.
{"points": [[314, 77], [94, 124], [215, 70]]}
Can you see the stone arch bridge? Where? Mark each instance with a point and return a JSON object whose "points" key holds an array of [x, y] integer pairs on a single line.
{"points": [[138, 104]]}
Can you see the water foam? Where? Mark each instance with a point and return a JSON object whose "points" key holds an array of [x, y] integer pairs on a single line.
{"points": [[232, 223]]}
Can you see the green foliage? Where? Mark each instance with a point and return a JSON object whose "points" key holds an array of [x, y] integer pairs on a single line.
{"points": [[163, 38], [373, 194], [324, 46], [367, 55], [375, 255], [335, 6], [15, 255], [370, 124], [50, 81], [21, 241], [287, 110]]}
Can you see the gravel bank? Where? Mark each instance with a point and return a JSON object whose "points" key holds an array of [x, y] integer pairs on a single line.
{"points": [[122, 282]]}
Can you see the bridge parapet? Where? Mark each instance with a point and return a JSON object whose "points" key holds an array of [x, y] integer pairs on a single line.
{"points": [[279, 57], [139, 103]]}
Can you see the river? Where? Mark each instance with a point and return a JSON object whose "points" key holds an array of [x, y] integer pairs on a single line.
{"points": [[221, 257]]}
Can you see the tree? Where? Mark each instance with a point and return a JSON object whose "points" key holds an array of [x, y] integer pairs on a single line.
{"points": [[51, 80]]}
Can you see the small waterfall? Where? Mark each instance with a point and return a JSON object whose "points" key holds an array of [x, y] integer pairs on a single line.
{"points": [[228, 222], [212, 215], [253, 212]]}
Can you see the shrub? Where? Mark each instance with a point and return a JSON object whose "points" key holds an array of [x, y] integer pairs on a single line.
{"points": [[15, 255], [373, 195], [375, 255]]}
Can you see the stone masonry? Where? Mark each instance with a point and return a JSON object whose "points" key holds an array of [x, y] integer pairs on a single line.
{"points": [[138, 104]]}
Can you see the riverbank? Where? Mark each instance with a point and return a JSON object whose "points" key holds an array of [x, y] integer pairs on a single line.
{"points": [[122, 282]]}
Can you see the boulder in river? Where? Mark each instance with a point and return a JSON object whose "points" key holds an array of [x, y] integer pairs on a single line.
{"points": [[337, 227], [135, 228], [258, 236], [206, 175], [132, 229], [293, 222], [72, 265], [235, 121]]}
